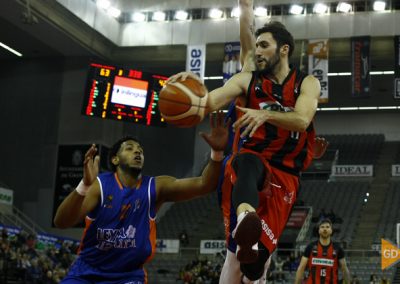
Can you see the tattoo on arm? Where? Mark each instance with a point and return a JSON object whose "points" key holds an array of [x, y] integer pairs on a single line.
{"points": [[252, 29]]}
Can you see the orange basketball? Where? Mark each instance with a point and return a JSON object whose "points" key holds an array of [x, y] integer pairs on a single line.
{"points": [[183, 103]]}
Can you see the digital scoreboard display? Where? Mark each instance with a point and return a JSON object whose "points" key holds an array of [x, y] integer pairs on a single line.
{"points": [[123, 94]]}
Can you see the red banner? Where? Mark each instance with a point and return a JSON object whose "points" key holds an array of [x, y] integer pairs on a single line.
{"points": [[397, 67], [361, 66]]}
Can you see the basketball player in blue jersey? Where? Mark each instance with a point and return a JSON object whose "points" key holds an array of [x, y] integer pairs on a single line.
{"points": [[120, 208]]}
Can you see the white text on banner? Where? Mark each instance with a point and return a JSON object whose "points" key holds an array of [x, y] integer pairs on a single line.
{"points": [[353, 170], [196, 59], [318, 55]]}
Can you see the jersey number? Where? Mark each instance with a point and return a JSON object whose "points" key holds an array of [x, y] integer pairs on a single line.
{"points": [[323, 272]]}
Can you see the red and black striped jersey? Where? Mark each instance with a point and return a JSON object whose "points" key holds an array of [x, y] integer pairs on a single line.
{"points": [[287, 150], [323, 262]]}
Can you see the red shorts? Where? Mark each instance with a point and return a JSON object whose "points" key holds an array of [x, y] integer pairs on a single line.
{"points": [[275, 203]]}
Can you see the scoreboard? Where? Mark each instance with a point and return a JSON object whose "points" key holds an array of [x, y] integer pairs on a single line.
{"points": [[124, 94]]}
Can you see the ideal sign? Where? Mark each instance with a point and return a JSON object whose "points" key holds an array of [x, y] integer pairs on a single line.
{"points": [[353, 170], [395, 170]]}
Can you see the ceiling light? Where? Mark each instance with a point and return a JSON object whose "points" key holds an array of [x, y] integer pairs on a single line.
{"points": [[260, 12], [159, 16], [235, 13], [320, 8], [10, 49], [216, 14], [138, 17], [379, 5], [104, 4], [343, 7], [181, 15], [114, 12], [296, 9]]}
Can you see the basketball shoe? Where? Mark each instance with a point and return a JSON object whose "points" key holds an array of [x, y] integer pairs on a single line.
{"points": [[246, 234]]}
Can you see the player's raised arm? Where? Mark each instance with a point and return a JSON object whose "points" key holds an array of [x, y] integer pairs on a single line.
{"points": [[247, 38], [172, 189], [84, 198], [220, 97]]}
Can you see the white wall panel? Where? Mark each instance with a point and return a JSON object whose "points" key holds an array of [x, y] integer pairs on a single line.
{"points": [[157, 34], [341, 25], [133, 34], [297, 25], [181, 31], [361, 25], [317, 25], [383, 23]]}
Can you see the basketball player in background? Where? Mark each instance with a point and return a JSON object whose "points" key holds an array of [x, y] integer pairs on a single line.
{"points": [[276, 106], [322, 259], [120, 207]]}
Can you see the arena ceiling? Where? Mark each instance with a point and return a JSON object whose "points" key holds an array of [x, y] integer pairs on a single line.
{"points": [[46, 29]]}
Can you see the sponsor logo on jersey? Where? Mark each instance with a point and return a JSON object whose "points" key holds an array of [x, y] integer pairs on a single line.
{"points": [[322, 261], [116, 238], [268, 232]]}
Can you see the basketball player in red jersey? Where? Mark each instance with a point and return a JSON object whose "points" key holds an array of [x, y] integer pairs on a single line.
{"points": [[322, 259], [231, 270], [262, 177], [120, 207]]}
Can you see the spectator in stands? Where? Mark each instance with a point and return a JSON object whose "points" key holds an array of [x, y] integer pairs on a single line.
{"points": [[323, 258], [184, 238], [34, 273], [384, 280], [279, 274], [4, 234], [120, 208], [373, 279], [355, 280]]}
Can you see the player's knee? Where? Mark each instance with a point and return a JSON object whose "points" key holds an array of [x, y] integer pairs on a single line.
{"points": [[249, 167], [246, 159]]}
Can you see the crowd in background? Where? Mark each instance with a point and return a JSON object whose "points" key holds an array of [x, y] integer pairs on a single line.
{"points": [[24, 259]]}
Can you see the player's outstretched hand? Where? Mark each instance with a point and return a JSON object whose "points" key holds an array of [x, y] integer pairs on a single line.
{"points": [[251, 119], [90, 166], [219, 135], [182, 76], [320, 146]]}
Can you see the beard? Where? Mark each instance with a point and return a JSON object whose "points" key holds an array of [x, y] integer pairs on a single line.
{"points": [[135, 171], [270, 64]]}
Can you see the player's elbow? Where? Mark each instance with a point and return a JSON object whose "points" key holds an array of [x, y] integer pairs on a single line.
{"points": [[301, 125], [60, 223]]}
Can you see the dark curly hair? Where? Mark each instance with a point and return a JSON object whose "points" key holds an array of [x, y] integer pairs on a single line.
{"points": [[325, 221], [279, 33], [115, 148]]}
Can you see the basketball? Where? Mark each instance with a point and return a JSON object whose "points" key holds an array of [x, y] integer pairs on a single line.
{"points": [[183, 103]]}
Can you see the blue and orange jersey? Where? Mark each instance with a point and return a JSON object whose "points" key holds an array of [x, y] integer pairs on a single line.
{"points": [[286, 150], [120, 234]]}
